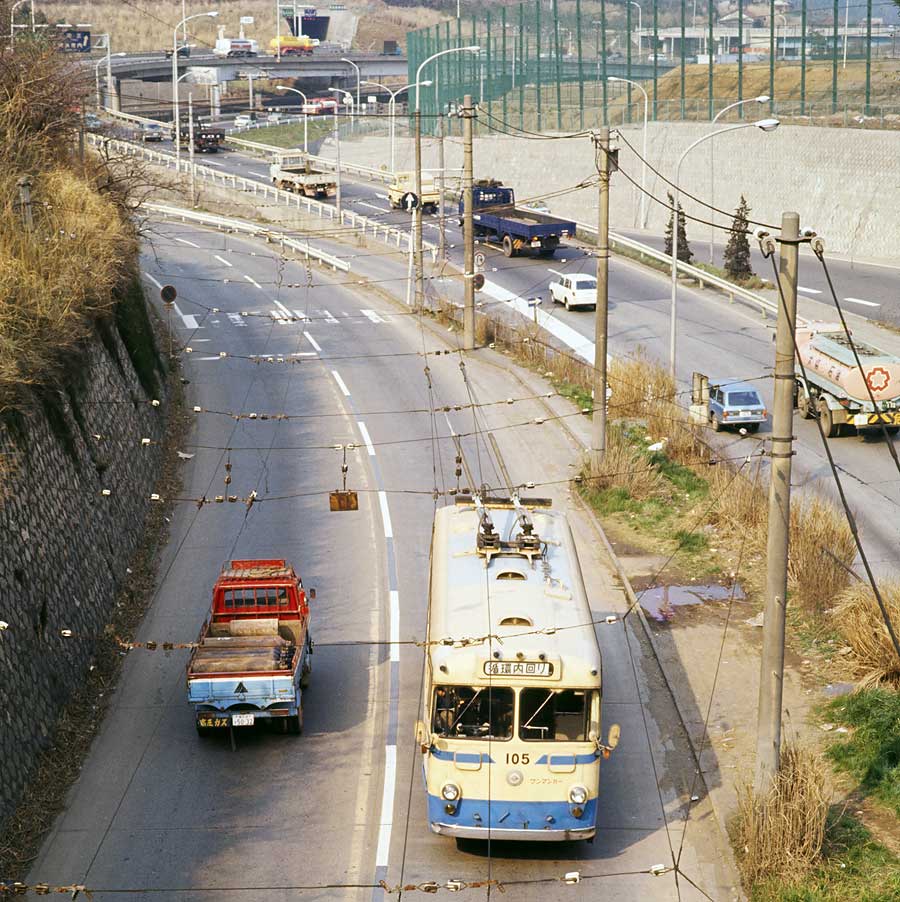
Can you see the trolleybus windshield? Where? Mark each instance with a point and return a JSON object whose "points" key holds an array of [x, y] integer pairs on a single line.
{"points": [[469, 712], [550, 714]]}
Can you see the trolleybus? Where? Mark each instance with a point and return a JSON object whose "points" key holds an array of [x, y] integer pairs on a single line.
{"points": [[510, 734]]}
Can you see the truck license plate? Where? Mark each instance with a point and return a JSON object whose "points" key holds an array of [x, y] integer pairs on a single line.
{"points": [[242, 720]]}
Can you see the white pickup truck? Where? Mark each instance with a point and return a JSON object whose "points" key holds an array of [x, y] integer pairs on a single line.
{"points": [[574, 290]]}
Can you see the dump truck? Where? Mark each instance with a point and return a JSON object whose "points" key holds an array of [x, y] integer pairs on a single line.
{"points": [[251, 661], [295, 172], [840, 391], [405, 182], [292, 46], [206, 139], [517, 231]]}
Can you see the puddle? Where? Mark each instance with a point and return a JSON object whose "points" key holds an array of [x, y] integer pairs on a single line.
{"points": [[660, 602]]}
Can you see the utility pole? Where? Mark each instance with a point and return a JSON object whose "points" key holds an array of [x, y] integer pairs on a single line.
{"points": [[420, 274], [337, 139], [191, 147], [442, 240], [24, 184], [601, 319], [468, 114], [771, 678]]}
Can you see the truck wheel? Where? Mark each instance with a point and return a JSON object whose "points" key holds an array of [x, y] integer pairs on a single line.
{"points": [[566, 303], [826, 418], [294, 725], [892, 430], [204, 732], [804, 404], [508, 249]]}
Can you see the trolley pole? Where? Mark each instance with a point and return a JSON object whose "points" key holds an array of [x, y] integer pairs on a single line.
{"points": [[768, 743], [420, 274], [601, 320], [468, 113]]}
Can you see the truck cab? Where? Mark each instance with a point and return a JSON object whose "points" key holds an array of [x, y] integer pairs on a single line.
{"points": [[405, 182], [252, 658]]}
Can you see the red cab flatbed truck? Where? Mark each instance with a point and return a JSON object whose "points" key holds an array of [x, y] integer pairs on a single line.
{"points": [[252, 659]]}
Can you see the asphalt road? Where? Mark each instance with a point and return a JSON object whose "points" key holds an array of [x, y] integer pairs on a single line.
{"points": [[343, 806]]}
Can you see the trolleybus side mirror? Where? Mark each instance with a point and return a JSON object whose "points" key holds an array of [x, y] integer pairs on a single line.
{"points": [[615, 731], [312, 593], [422, 737]]}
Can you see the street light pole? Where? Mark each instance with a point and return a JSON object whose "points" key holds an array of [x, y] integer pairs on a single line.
{"points": [[634, 84], [763, 98], [182, 24], [392, 108], [305, 114], [345, 60], [420, 275], [765, 125], [337, 137], [12, 18], [638, 6]]}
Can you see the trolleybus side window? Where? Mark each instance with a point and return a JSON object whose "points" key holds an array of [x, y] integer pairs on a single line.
{"points": [[548, 714], [469, 712]]}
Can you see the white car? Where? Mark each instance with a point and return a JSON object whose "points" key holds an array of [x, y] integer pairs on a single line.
{"points": [[274, 117], [575, 290]]}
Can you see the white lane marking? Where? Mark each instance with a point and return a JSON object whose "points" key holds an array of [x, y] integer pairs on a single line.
{"points": [[382, 197], [190, 321], [431, 225], [861, 301], [302, 316], [209, 358], [373, 316], [236, 319], [385, 515], [808, 290], [387, 806], [279, 317], [449, 424], [304, 354], [341, 384], [366, 437], [253, 282], [312, 341], [362, 203], [212, 163], [328, 317], [222, 260], [287, 313], [395, 625], [189, 243], [151, 279]]}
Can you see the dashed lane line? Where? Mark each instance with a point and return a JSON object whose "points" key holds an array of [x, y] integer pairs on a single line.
{"points": [[223, 260], [312, 341], [341, 384]]}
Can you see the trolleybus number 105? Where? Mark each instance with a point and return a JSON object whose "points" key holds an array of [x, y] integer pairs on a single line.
{"points": [[518, 668], [518, 758]]}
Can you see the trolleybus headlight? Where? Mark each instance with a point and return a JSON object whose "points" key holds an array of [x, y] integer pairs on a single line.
{"points": [[577, 795], [450, 792]]}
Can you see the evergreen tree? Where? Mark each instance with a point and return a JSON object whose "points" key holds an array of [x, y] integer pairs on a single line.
{"points": [[737, 251], [685, 254]]}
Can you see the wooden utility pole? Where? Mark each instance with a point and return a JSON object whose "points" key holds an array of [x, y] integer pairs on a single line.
{"points": [[771, 679], [601, 320], [420, 274], [468, 114]]}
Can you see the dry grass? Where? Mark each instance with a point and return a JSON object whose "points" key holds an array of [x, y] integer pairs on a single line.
{"points": [[781, 833], [626, 468], [59, 275], [859, 620]]}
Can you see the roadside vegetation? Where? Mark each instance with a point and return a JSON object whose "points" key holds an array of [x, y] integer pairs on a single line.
{"points": [[67, 246]]}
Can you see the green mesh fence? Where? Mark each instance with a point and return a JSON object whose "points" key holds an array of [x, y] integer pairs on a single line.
{"points": [[562, 65]]}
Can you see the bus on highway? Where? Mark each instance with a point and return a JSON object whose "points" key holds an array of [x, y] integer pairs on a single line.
{"points": [[510, 733]]}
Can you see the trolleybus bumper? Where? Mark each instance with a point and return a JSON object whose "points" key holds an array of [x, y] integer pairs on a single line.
{"points": [[543, 835]]}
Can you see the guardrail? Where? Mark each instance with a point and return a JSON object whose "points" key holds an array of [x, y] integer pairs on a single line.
{"points": [[364, 225], [250, 228]]}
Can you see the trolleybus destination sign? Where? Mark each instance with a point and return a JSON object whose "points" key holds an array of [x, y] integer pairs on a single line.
{"points": [[518, 668]]}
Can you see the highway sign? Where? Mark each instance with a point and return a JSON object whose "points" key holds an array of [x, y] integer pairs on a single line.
{"points": [[246, 20], [76, 41], [479, 260], [168, 293], [409, 201]]}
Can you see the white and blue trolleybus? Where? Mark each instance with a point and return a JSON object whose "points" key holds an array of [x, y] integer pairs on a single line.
{"points": [[510, 734]]}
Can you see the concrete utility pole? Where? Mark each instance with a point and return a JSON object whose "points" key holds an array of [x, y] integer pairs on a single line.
{"points": [[468, 114], [24, 184], [768, 743], [601, 319], [191, 148], [420, 269], [442, 238]]}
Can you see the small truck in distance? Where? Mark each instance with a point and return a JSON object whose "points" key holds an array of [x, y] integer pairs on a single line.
{"points": [[517, 230], [405, 182], [252, 658], [294, 172]]}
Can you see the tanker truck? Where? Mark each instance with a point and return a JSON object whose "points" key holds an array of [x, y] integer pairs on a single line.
{"points": [[839, 390]]}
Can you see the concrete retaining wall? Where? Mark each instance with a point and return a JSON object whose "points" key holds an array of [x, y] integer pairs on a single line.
{"points": [[845, 183], [64, 547]]}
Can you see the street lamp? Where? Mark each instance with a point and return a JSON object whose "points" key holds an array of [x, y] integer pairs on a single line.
{"points": [[766, 125], [305, 113], [638, 5], [108, 61], [392, 107], [345, 60], [472, 48], [643, 220], [182, 23], [12, 16], [763, 98], [337, 137]]}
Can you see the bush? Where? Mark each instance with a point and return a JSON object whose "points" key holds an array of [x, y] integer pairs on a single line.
{"points": [[859, 620]]}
